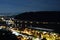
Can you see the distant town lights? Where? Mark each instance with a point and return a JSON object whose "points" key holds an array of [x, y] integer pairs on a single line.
{"points": [[37, 22], [25, 21], [17, 21], [45, 22], [21, 21], [31, 22]]}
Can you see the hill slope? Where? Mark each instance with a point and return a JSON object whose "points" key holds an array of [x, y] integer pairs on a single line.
{"points": [[40, 16]]}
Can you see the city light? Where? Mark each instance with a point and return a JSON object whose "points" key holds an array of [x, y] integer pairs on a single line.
{"points": [[30, 32]]}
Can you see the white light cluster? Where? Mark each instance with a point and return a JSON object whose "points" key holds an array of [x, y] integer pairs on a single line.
{"points": [[14, 32]]}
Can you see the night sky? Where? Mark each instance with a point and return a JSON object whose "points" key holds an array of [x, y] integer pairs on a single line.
{"points": [[12, 7]]}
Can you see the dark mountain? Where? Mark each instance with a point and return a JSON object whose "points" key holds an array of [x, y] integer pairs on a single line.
{"points": [[40, 16]]}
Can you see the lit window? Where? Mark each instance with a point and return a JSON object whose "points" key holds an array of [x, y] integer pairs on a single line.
{"points": [[20, 24], [3, 33], [17, 21], [25, 21], [37, 22], [17, 24], [21, 21], [45, 22], [31, 22]]}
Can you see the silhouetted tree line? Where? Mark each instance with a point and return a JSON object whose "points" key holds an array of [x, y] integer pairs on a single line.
{"points": [[7, 35]]}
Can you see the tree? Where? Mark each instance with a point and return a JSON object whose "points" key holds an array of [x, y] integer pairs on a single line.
{"points": [[7, 35]]}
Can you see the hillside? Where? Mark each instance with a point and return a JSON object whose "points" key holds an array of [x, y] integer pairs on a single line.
{"points": [[40, 16]]}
